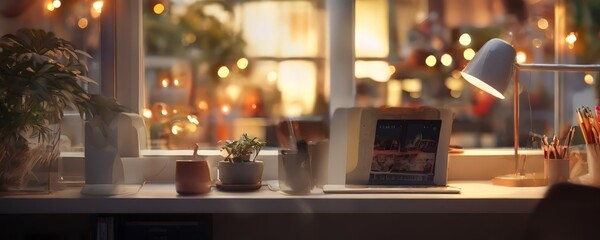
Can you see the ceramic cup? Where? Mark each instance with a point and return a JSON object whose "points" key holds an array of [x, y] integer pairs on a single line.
{"points": [[556, 170], [192, 177], [295, 175]]}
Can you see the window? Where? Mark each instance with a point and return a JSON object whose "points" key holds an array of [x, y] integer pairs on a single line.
{"points": [[214, 69], [407, 53]]}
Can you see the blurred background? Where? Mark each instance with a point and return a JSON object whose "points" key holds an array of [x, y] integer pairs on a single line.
{"points": [[216, 69]]}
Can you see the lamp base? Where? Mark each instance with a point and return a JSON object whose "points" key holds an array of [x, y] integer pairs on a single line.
{"points": [[516, 180]]}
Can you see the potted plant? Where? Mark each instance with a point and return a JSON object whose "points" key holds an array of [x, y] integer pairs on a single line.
{"points": [[41, 76], [240, 170]]}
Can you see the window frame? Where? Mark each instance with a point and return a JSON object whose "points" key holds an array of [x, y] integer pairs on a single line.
{"points": [[122, 55]]}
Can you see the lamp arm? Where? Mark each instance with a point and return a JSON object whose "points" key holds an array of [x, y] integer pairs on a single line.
{"points": [[558, 67]]}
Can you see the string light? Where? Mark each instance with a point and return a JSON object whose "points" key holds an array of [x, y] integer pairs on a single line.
{"points": [[588, 79], [193, 119], [223, 72], [97, 6], [242, 63], [468, 54], [542, 23], [446, 59], [202, 105], [464, 39], [56, 3], [158, 8], [225, 109], [521, 57], [176, 128], [430, 61], [571, 38], [147, 113], [82, 23]]}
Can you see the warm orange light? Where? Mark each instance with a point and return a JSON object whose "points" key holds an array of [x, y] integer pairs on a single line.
{"points": [[542, 23], [414, 94], [455, 93], [202, 105], [193, 119], [94, 14], [430, 60], [455, 84], [446, 59], [223, 72], [176, 82], [242, 63], [56, 3], [147, 113], [464, 39], [571, 38], [253, 106], [468, 54], [176, 128], [225, 109], [97, 8], [164, 112], [521, 57], [82, 23], [50, 7], [158, 8], [589, 79], [164, 83]]}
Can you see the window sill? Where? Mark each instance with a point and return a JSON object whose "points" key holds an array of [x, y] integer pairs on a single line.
{"points": [[472, 165]]}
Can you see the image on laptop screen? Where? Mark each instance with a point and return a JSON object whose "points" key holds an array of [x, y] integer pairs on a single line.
{"points": [[404, 152]]}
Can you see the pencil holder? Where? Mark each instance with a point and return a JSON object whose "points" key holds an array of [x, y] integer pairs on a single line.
{"points": [[556, 170], [593, 158]]}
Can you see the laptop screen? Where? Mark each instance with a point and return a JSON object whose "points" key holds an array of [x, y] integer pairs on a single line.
{"points": [[404, 152]]}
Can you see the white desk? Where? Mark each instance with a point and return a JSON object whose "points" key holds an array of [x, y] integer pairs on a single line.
{"points": [[480, 211], [475, 197]]}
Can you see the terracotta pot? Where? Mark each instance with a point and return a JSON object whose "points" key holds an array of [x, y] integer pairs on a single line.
{"points": [[192, 177], [240, 173]]}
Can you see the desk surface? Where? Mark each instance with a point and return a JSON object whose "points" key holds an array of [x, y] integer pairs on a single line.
{"points": [[475, 197]]}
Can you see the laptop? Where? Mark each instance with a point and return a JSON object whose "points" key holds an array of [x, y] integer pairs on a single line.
{"points": [[399, 150]]}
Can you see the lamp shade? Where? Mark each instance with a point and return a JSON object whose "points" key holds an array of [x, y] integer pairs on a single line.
{"points": [[492, 67]]}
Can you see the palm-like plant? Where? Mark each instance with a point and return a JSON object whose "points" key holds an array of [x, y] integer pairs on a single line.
{"points": [[41, 75]]}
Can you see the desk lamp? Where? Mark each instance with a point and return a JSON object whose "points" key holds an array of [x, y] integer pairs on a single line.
{"points": [[490, 70]]}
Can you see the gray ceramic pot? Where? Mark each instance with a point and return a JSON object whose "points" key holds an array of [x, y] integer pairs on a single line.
{"points": [[240, 173]]}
